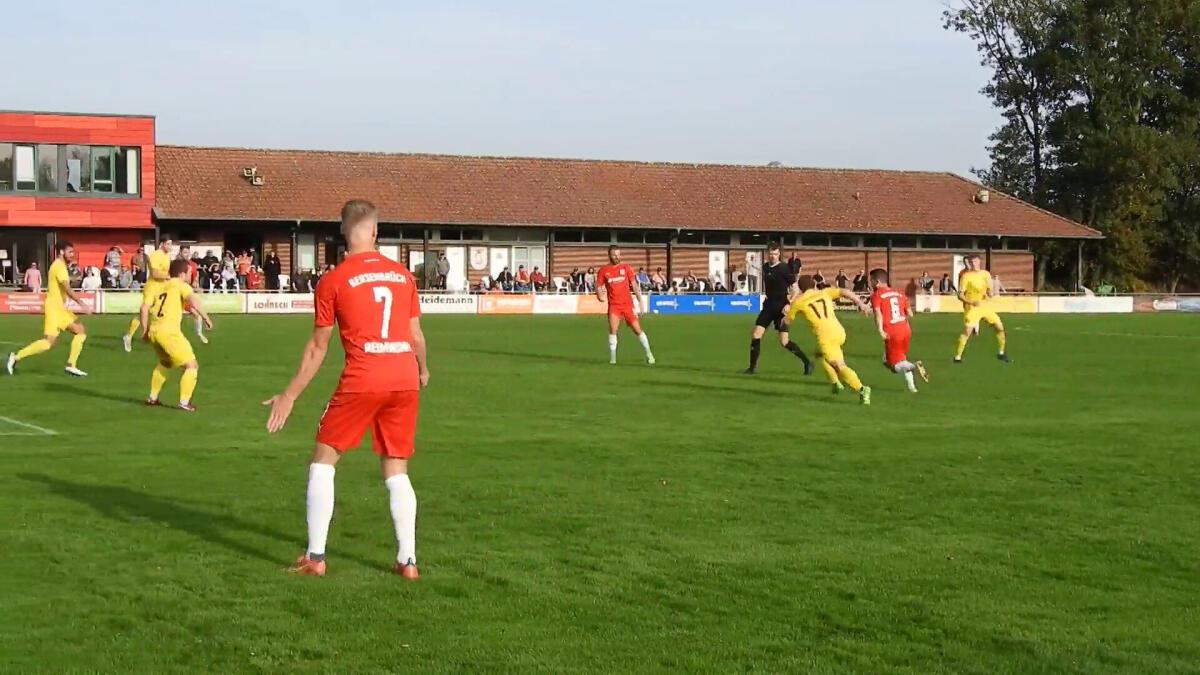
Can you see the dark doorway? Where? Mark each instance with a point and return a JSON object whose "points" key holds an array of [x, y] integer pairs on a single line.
{"points": [[245, 241]]}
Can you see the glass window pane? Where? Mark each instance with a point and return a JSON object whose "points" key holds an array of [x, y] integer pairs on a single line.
{"points": [[1016, 244], [79, 168], [904, 242], [934, 242], [127, 171], [102, 169], [24, 167], [717, 238], [47, 156], [875, 241], [472, 235], [814, 239], [629, 236], [845, 240], [658, 237], [597, 236], [568, 235], [450, 234], [6, 172]]}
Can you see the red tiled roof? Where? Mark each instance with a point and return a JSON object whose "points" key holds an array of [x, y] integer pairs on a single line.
{"points": [[207, 183]]}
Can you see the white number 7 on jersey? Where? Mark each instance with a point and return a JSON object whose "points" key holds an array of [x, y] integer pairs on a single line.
{"points": [[384, 294]]}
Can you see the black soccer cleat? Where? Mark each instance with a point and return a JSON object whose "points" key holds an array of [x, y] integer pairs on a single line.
{"points": [[750, 371], [1004, 358], [808, 368]]}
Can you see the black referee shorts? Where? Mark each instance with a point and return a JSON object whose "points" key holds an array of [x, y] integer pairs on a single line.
{"points": [[771, 315]]}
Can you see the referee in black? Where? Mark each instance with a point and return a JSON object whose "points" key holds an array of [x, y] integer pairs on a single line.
{"points": [[777, 280]]}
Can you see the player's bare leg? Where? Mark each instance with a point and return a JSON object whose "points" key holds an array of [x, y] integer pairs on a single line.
{"points": [[318, 510], [643, 340], [403, 502], [32, 349], [76, 349]]}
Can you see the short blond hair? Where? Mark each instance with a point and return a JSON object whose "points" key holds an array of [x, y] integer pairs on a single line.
{"points": [[356, 211]]}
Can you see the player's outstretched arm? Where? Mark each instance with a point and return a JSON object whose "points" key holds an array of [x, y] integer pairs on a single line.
{"points": [[310, 363], [418, 338], [853, 297]]}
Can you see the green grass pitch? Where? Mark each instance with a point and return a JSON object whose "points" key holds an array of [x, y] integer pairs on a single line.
{"points": [[1042, 516]]}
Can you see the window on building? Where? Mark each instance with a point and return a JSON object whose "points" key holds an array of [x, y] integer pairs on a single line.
{"points": [[127, 171], [690, 238], [630, 237], [1016, 244], [752, 239], [875, 241], [786, 239], [843, 240], [449, 234], [79, 168], [718, 238], [25, 167], [102, 169], [47, 156], [658, 237], [413, 233], [934, 242], [306, 251], [904, 242], [597, 236], [814, 239], [568, 236], [960, 242], [6, 172], [472, 235]]}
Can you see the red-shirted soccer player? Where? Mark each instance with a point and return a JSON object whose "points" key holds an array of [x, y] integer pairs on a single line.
{"points": [[892, 313], [374, 303], [617, 283]]}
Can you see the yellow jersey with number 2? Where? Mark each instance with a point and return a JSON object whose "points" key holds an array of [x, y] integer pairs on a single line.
{"points": [[166, 301]]}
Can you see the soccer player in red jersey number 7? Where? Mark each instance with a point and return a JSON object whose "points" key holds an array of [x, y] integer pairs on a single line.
{"points": [[892, 313], [374, 303], [617, 283]]}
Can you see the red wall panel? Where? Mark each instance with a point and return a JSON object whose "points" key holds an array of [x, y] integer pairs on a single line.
{"points": [[92, 244], [40, 211]]}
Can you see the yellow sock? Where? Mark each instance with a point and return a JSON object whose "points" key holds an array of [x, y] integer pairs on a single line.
{"points": [[829, 371], [133, 327], [187, 384], [1001, 340], [33, 348], [962, 346], [851, 378], [76, 349], [158, 378]]}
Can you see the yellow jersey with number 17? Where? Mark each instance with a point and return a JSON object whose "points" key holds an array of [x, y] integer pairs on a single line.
{"points": [[166, 304], [975, 284], [817, 307]]}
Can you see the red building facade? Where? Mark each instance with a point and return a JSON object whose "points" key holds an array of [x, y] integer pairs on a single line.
{"points": [[88, 179]]}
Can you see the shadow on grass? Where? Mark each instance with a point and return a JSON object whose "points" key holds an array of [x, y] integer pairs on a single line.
{"points": [[127, 505], [776, 395], [83, 392], [598, 361]]}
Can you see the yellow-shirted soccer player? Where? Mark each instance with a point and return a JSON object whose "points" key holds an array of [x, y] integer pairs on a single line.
{"points": [[161, 315], [158, 272], [57, 317], [975, 289], [818, 308]]}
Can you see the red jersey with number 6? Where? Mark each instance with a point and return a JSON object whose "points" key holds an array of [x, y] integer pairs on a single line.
{"points": [[616, 280], [893, 306], [372, 300]]}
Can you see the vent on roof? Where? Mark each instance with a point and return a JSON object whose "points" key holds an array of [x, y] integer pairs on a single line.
{"points": [[250, 173], [982, 197], [775, 164]]}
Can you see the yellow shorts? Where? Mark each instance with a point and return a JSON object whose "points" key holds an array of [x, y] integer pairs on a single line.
{"points": [[974, 315], [56, 321], [173, 349], [829, 344]]}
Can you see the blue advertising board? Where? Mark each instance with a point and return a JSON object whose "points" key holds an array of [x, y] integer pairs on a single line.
{"points": [[705, 304]]}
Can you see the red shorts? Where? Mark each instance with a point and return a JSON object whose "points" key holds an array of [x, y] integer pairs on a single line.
{"points": [[625, 313], [896, 346], [390, 415]]}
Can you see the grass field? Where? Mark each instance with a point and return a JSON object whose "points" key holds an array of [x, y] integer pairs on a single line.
{"points": [[1042, 516]]}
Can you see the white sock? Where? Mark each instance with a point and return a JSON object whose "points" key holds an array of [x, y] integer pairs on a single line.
{"points": [[645, 343], [199, 326], [319, 506], [404, 516], [906, 369], [612, 347]]}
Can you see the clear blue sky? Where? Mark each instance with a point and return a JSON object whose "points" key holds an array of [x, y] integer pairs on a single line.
{"points": [[850, 83]]}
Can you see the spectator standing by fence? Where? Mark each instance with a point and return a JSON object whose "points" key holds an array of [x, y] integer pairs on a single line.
{"points": [[841, 280], [244, 262], [819, 280], [860, 283], [137, 265], [272, 268], [33, 278], [997, 285], [443, 269], [794, 265], [926, 283], [589, 280]]}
